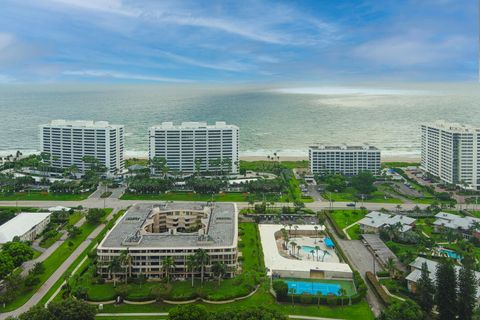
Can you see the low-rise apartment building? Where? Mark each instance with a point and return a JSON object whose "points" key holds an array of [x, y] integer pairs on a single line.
{"points": [[464, 226], [374, 221], [149, 233], [343, 159]]}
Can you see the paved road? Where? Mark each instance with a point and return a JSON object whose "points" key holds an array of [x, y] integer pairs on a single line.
{"points": [[363, 261], [35, 299]]}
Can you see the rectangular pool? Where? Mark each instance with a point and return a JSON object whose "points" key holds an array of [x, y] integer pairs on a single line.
{"points": [[312, 288]]}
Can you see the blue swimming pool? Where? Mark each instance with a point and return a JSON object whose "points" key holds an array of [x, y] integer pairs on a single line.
{"points": [[307, 249], [313, 287], [451, 254]]}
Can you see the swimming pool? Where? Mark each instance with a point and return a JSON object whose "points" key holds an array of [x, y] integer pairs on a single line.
{"points": [[307, 249], [451, 254], [311, 287]]}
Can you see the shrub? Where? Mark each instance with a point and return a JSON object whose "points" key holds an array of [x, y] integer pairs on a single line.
{"points": [[337, 228], [378, 288], [281, 289]]}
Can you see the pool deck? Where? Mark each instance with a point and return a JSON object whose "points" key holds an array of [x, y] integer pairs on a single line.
{"points": [[276, 263]]}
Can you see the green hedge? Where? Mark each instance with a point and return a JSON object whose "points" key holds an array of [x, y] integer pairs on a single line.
{"points": [[337, 228], [379, 291]]}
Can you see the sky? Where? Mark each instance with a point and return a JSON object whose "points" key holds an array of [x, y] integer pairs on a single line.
{"points": [[248, 41]]}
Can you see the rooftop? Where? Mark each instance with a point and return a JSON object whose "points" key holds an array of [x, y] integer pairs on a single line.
{"points": [[364, 147], [194, 125], [21, 224], [452, 126], [377, 219], [81, 124], [220, 231], [454, 221]]}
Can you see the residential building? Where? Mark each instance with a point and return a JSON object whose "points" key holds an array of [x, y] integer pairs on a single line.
{"points": [[374, 221], [450, 152], [196, 146], [346, 160], [416, 273], [465, 226], [149, 233], [68, 142], [25, 225]]}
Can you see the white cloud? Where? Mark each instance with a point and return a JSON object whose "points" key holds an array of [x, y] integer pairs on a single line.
{"points": [[12, 50], [227, 66], [105, 6], [121, 75]]}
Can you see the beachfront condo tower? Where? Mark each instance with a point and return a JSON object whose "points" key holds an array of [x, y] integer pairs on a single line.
{"points": [[450, 152], [343, 159], [196, 147], [72, 143]]}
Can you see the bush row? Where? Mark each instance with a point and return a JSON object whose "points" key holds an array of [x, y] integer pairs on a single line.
{"points": [[337, 228], [379, 291]]}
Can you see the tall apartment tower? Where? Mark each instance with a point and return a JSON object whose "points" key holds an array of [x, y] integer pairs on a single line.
{"points": [[450, 152], [343, 159], [68, 142], [196, 146]]}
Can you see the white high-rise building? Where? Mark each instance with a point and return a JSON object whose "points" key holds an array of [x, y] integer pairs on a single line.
{"points": [[196, 146], [343, 159], [68, 142], [450, 152]]}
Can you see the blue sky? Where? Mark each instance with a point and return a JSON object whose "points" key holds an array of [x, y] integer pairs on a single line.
{"points": [[244, 41]]}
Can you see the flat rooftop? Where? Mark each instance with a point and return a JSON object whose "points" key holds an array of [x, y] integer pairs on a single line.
{"points": [[275, 261], [60, 123], [344, 147], [21, 224], [194, 125], [452, 126], [221, 229]]}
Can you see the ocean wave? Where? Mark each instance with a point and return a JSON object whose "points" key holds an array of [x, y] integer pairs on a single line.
{"points": [[347, 91]]}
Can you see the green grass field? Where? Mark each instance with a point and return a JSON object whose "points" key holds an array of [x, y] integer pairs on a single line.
{"points": [[345, 218], [42, 196]]}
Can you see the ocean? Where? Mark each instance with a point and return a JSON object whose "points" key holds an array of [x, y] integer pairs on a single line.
{"points": [[284, 118]]}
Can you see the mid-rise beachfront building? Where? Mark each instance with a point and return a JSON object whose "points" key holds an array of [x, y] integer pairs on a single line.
{"points": [[149, 233], [343, 159], [450, 152], [68, 142], [196, 147]]}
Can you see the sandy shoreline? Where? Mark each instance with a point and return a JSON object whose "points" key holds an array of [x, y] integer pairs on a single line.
{"points": [[389, 158]]}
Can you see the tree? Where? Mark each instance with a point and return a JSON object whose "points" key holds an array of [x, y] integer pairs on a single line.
{"points": [[94, 216], [219, 269], [363, 182], [19, 251], [72, 309], [336, 183], [114, 267], [406, 310], [390, 266], [37, 312], [467, 291], [446, 291], [167, 265], [191, 265], [159, 164], [73, 231], [292, 292], [201, 256], [342, 293], [126, 261], [425, 290], [188, 312], [6, 264], [281, 289]]}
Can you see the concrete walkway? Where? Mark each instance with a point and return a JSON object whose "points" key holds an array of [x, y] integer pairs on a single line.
{"points": [[37, 296]]}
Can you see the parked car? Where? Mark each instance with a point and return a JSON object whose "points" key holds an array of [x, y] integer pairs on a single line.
{"points": [[351, 204]]}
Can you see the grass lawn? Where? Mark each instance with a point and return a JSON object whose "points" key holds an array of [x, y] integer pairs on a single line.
{"points": [[77, 261], [405, 252], [345, 218], [266, 166], [46, 243], [42, 196], [263, 298], [52, 263], [191, 196], [354, 232], [74, 218], [349, 195]]}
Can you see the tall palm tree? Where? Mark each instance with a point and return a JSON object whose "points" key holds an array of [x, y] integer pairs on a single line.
{"points": [[317, 249], [167, 265], [316, 231], [313, 254], [191, 265], [296, 228], [219, 269], [342, 293], [201, 257], [293, 244], [114, 267], [292, 291], [390, 266], [126, 262]]}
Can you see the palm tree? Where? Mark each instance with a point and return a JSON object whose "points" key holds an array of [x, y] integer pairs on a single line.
{"points": [[342, 293], [167, 264], [390, 266], [126, 262], [317, 248], [293, 244], [219, 269], [292, 292], [201, 256], [114, 267], [324, 253], [316, 231], [296, 228], [313, 254], [191, 265], [398, 207]]}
